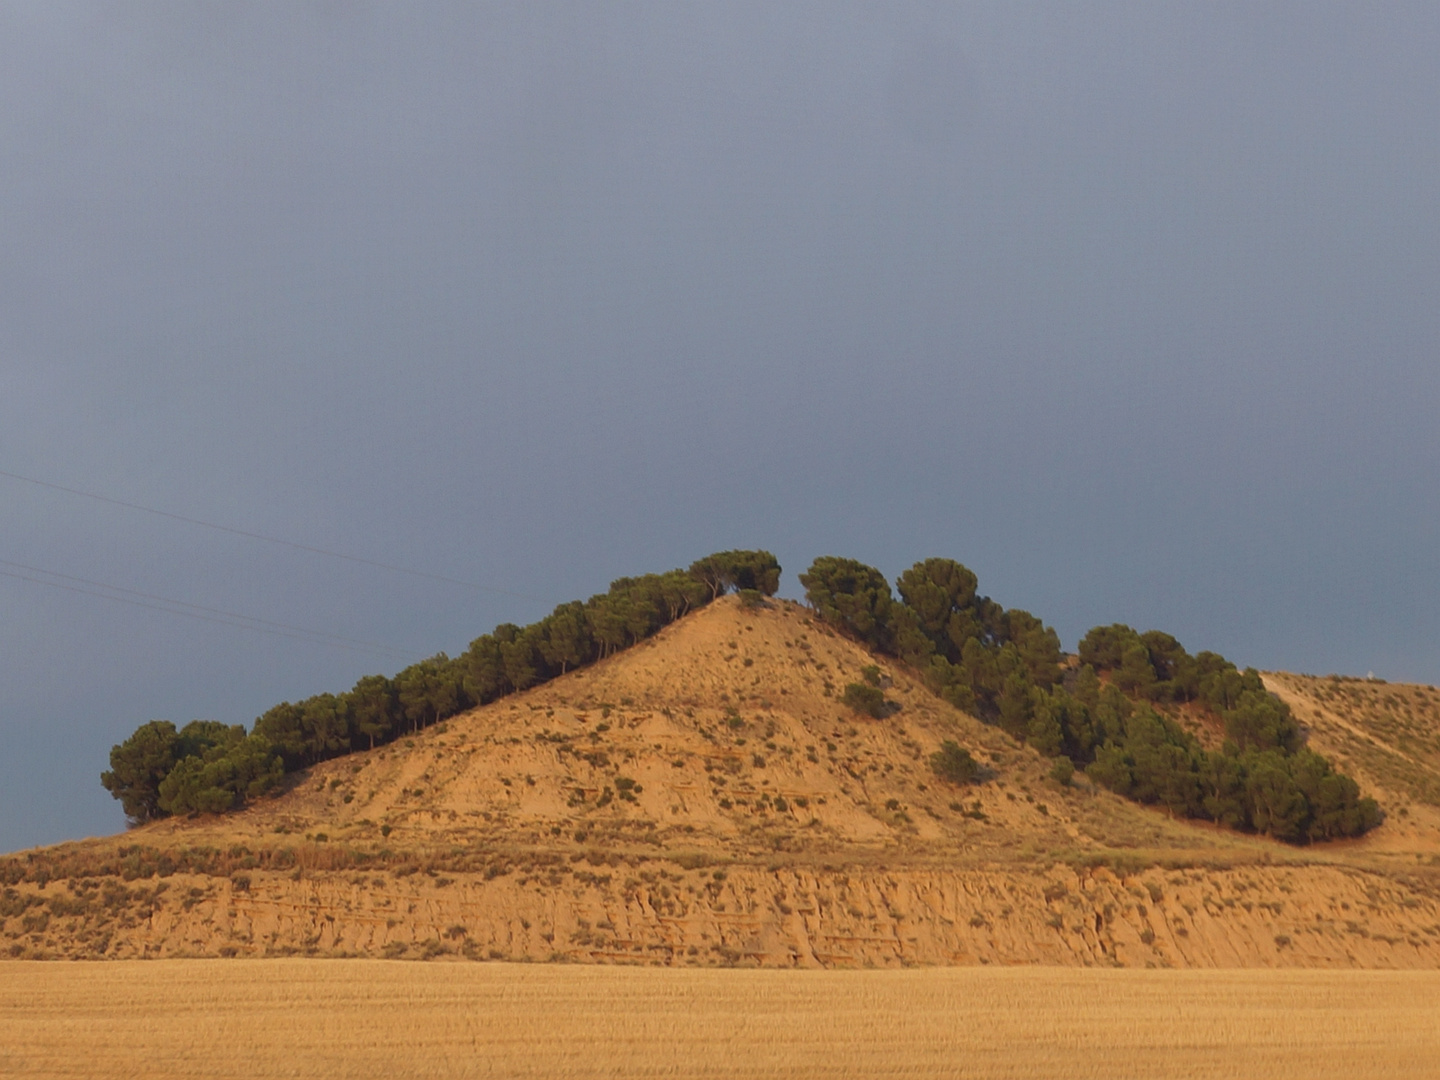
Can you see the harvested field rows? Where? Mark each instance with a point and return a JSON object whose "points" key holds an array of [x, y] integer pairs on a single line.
{"points": [[292, 1018]]}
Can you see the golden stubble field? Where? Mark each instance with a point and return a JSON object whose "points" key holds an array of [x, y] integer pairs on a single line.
{"points": [[370, 1018]]}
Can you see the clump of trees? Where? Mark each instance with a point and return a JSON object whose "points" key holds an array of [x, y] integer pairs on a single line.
{"points": [[1114, 715], [208, 767], [203, 767], [746, 572], [1264, 778]]}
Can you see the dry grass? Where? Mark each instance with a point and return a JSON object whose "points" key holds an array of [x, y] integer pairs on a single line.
{"points": [[1390, 731], [373, 1018]]}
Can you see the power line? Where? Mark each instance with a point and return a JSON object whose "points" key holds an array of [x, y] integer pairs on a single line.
{"points": [[205, 614], [268, 539], [378, 645]]}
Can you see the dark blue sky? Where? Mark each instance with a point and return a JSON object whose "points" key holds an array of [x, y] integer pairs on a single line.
{"points": [[1133, 308]]}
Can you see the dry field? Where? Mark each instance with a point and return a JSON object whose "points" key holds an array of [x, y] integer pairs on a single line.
{"points": [[314, 1018]]}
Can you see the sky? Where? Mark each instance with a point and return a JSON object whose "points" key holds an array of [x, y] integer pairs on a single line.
{"points": [[1132, 308]]}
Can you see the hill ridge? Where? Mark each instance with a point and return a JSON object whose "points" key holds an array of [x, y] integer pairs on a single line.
{"points": [[586, 819]]}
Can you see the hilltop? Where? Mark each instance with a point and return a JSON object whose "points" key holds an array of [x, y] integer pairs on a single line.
{"points": [[705, 798]]}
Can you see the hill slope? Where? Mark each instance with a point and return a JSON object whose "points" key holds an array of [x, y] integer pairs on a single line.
{"points": [[1388, 737], [704, 798]]}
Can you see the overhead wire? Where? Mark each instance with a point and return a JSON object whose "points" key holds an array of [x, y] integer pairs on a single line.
{"points": [[198, 611], [267, 539]]}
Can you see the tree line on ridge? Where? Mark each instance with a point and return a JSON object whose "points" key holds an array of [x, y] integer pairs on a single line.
{"points": [[210, 767], [1112, 711]]}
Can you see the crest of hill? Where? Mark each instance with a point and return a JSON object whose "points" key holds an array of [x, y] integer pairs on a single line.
{"points": [[724, 734]]}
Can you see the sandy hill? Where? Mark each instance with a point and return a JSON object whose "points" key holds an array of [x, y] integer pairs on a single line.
{"points": [[704, 798]]}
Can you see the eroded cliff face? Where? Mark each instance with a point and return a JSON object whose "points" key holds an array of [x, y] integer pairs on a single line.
{"points": [[705, 799], [662, 913]]}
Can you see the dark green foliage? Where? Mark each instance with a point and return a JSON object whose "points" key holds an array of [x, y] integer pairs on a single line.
{"points": [[1156, 667], [865, 699], [852, 596], [940, 592], [1264, 779], [188, 789], [373, 708], [972, 652], [1103, 647], [1037, 647], [247, 766], [566, 639], [326, 723], [208, 767], [217, 767], [954, 763], [282, 725], [1261, 722], [1290, 794], [1111, 716], [1150, 665], [1062, 771], [1337, 808], [1299, 797], [1274, 800], [138, 765], [1153, 760], [756, 571]]}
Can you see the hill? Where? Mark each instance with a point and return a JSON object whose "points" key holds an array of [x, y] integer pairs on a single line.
{"points": [[705, 798]]}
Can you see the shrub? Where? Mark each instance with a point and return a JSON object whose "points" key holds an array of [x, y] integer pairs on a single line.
{"points": [[1062, 771], [953, 763], [865, 700]]}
